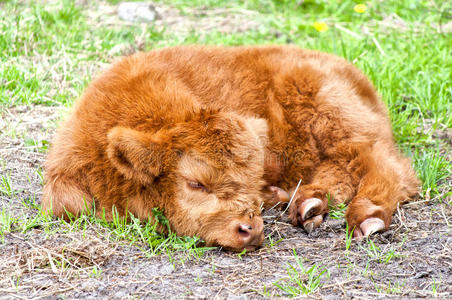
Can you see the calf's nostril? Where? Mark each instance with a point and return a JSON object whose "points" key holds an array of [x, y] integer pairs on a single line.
{"points": [[244, 230]]}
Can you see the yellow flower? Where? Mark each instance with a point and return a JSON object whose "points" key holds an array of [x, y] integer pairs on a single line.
{"points": [[360, 8], [320, 26]]}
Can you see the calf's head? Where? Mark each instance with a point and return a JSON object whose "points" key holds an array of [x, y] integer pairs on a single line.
{"points": [[205, 171]]}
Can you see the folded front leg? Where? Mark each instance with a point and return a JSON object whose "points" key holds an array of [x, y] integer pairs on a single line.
{"points": [[389, 180], [331, 182]]}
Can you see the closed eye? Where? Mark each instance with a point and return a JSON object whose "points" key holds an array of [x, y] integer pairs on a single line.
{"points": [[196, 185]]}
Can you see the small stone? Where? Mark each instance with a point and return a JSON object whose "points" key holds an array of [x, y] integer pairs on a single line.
{"points": [[89, 285], [166, 269], [237, 297], [137, 12], [121, 294]]}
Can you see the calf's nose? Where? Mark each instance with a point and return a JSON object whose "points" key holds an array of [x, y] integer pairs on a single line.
{"points": [[250, 233]]}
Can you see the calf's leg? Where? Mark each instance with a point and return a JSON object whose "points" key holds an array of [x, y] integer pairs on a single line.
{"points": [[376, 179], [331, 183], [389, 180]]}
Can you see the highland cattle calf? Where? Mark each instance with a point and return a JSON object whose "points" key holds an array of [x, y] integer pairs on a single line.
{"points": [[210, 135]]}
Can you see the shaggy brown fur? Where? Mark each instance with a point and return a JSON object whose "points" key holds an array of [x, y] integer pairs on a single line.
{"points": [[208, 133]]}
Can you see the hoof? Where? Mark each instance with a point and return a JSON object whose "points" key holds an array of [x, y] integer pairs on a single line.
{"points": [[313, 223], [369, 226], [279, 194], [309, 208], [372, 225]]}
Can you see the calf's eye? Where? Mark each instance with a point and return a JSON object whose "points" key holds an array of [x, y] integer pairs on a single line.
{"points": [[196, 185]]}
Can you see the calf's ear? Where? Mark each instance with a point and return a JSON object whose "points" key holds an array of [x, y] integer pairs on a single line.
{"points": [[137, 155]]}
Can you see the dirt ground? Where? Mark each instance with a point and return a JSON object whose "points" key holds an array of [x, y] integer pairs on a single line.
{"points": [[411, 260]]}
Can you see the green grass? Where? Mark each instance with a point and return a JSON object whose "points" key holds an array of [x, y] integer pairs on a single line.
{"points": [[390, 288], [376, 253], [336, 211], [348, 238], [412, 70], [6, 185], [7, 221], [131, 231], [302, 280], [49, 52], [432, 169]]}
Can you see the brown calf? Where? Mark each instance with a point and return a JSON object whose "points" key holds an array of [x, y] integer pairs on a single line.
{"points": [[211, 134]]}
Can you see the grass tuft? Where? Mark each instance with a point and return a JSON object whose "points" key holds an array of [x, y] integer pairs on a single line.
{"points": [[302, 280]]}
